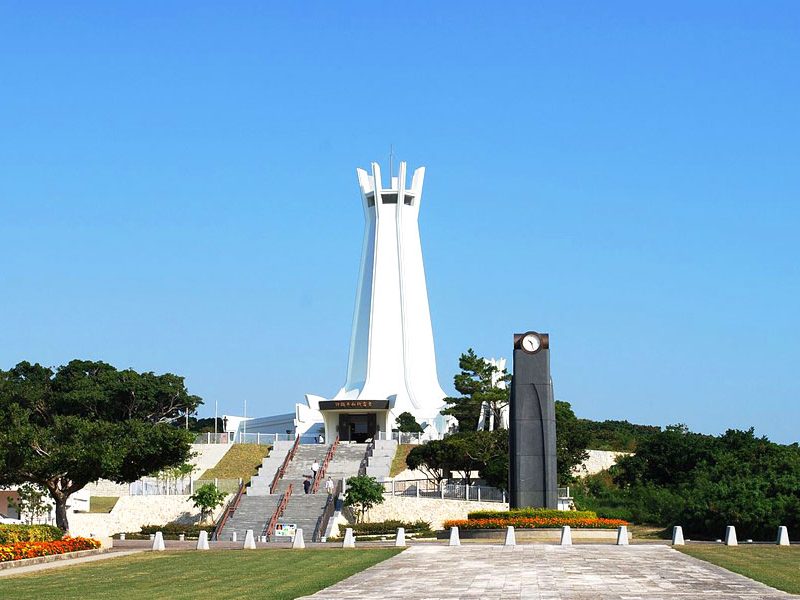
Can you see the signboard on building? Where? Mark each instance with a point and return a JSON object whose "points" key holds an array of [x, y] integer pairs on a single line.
{"points": [[354, 405]]}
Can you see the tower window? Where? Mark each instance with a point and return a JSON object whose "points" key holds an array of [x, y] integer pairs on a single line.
{"points": [[389, 198], [408, 200], [370, 199]]}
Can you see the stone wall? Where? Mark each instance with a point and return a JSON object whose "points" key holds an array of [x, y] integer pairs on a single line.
{"points": [[433, 510], [131, 512], [598, 460]]}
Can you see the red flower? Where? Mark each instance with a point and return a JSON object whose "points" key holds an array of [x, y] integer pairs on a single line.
{"points": [[20, 550]]}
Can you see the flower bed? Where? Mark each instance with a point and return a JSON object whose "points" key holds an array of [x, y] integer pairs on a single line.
{"points": [[536, 523], [531, 513], [20, 550], [11, 534]]}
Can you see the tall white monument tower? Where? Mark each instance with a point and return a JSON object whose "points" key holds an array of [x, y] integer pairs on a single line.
{"points": [[391, 368]]}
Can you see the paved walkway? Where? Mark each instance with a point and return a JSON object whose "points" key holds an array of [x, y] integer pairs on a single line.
{"points": [[67, 562], [545, 572]]}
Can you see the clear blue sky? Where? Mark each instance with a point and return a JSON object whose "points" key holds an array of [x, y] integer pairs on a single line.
{"points": [[178, 192]]}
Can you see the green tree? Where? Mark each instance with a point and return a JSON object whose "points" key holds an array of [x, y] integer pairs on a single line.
{"points": [[433, 458], [571, 442], [408, 424], [477, 384], [207, 497], [31, 503], [86, 420], [363, 493]]}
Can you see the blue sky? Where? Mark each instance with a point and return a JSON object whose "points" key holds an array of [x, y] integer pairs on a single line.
{"points": [[178, 192]]}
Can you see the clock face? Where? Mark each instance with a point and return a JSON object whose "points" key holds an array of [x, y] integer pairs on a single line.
{"points": [[531, 343]]}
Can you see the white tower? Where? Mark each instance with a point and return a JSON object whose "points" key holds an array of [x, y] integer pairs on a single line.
{"points": [[391, 367]]}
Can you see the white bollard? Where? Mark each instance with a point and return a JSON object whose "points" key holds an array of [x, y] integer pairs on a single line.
{"points": [[454, 540], [202, 541], [400, 538], [297, 542], [622, 535], [158, 542], [677, 536], [511, 538], [349, 540], [730, 536], [249, 541], [233, 536], [566, 536], [122, 537], [783, 536], [262, 539], [182, 537]]}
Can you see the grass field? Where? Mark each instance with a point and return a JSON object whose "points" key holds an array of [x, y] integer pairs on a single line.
{"points": [[777, 566], [242, 460], [102, 504], [399, 460], [276, 574]]}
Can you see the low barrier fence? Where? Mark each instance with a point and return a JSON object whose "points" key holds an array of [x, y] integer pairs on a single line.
{"points": [[229, 486], [264, 439], [426, 488]]}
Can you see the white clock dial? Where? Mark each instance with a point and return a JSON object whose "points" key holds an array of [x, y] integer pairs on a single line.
{"points": [[531, 342]]}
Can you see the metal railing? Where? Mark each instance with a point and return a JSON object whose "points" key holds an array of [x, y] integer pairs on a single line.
{"points": [[269, 529], [327, 513], [426, 488], [403, 437], [153, 486], [264, 439], [282, 470], [320, 474], [229, 510]]}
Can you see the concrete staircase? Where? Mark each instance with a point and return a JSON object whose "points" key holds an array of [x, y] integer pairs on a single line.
{"points": [[253, 513], [379, 464], [300, 467], [259, 484]]}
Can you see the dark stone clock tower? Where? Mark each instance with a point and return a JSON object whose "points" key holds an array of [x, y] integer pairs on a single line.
{"points": [[532, 425]]}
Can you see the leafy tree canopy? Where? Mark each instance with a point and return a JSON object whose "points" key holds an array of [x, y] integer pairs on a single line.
{"points": [[363, 492], [408, 424], [87, 420], [477, 383], [207, 497]]}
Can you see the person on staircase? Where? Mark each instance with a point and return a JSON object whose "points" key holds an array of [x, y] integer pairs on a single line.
{"points": [[329, 485], [306, 484], [315, 469]]}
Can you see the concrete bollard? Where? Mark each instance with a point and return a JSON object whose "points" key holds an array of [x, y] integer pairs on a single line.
{"points": [[677, 536], [511, 538], [233, 536], [202, 541], [249, 541], [730, 536], [262, 539], [158, 542], [122, 537], [783, 536], [152, 536], [566, 536], [622, 535], [297, 542], [400, 538], [454, 539], [349, 540], [181, 537]]}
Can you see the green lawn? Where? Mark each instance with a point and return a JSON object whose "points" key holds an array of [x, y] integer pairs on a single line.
{"points": [[189, 575], [399, 461], [102, 504], [242, 460], [777, 566]]}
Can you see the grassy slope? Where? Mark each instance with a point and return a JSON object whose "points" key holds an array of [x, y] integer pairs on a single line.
{"points": [[242, 460], [777, 566], [274, 574], [102, 504], [399, 461]]}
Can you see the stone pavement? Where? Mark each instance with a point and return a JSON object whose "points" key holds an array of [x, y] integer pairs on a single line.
{"points": [[547, 572]]}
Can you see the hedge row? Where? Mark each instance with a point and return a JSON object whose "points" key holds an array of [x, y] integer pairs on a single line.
{"points": [[532, 513], [10, 534], [388, 527]]}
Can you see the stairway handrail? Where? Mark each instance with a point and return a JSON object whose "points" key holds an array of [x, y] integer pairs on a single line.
{"points": [[269, 529], [327, 512], [282, 469], [233, 504], [324, 468]]}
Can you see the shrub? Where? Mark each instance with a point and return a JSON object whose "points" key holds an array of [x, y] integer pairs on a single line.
{"points": [[21, 550], [532, 513], [175, 529], [10, 534], [535, 523], [386, 527]]}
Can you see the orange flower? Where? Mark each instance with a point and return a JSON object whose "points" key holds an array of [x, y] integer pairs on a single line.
{"points": [[535, 522], [20, 550]]}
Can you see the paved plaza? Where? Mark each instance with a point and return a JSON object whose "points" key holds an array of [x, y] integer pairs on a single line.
{"points": [[547, 572]]}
